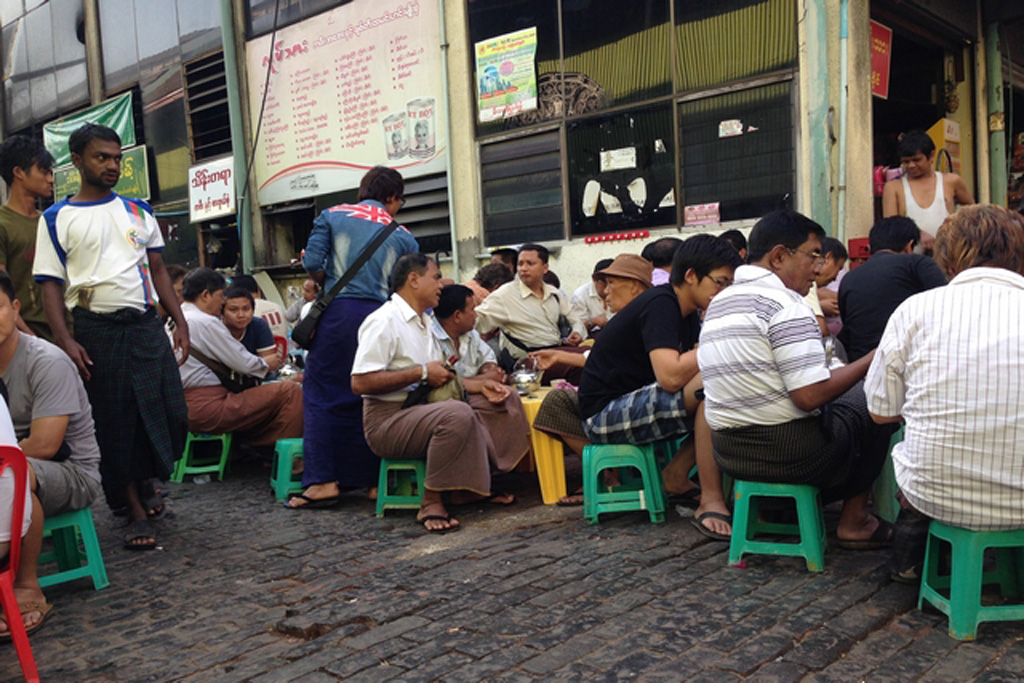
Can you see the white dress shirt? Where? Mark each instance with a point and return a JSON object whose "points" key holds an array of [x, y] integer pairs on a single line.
{"points": [[950, 363], [395, 337], [587, 304], [211, 337]]}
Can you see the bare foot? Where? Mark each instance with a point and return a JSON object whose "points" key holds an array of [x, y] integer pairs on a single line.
{"points": [[468, 498], [870, 530]]}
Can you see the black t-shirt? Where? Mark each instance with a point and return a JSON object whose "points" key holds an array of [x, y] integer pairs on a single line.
{"points": [[620, 362], [869, 294]]}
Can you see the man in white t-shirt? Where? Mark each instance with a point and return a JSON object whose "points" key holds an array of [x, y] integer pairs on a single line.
{"points": [[99, 255]]}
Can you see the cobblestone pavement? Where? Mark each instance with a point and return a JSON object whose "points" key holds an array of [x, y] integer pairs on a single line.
{"points": [[244, 590]]}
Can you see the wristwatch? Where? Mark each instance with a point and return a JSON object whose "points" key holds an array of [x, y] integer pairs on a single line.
{"points": [[423, 373]]}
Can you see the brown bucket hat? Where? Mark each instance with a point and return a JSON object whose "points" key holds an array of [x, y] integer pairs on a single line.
{"points": [[631, 266]]}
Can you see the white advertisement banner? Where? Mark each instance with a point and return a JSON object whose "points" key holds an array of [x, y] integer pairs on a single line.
{"points": [[350, 88], [211, 189]]}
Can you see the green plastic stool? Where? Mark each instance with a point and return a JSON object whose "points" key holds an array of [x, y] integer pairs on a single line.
{"points": [[962, 602], [810, 527], [400, 485], [189, 464], [282, 481], [885, 488], [74, 561], [646, 495]]}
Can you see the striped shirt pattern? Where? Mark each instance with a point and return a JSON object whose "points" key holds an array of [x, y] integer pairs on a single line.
{"points": [[950, 363], [759, 341]]}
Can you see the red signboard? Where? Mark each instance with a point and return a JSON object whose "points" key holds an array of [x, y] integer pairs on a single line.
{"points": [[881, 56]]}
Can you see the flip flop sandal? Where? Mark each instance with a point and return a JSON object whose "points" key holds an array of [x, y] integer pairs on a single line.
{"points": [[698, 524], [140, 528], [42, 607], [311, 503], [444, 518], [570, 501]]}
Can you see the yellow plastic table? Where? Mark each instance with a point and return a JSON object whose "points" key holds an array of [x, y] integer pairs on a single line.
{"points": [[547, 452]]}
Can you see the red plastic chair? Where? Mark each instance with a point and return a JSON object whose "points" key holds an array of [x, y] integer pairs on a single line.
{"points": [[12, 457]]}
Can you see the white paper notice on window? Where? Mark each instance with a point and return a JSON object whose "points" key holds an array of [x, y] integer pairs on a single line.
{"points": [[618, 159], [730, 128]]}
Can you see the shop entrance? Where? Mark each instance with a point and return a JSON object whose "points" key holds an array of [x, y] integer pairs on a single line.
{"points": [[916, 99]]}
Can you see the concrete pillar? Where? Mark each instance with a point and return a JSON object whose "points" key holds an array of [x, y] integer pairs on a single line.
{"points": [[996, 115], [814, 175], [860, 202], [465, 166], [93, 51]]}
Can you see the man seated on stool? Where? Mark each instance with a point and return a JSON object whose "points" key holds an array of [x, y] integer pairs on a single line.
{"points": [[777, 413], [894, 273], [259, 415], [588, 303], [53, 423], [397, 354], [454, 317], [559, 413], [640, 381], [950, 364], [254, 333], [528, 312]]}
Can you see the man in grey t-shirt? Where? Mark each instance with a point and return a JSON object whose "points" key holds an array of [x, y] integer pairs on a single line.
{"points": [[53, 423]]}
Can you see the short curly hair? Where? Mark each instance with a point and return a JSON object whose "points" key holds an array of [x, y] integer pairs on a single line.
{"points": [[981, 235]]}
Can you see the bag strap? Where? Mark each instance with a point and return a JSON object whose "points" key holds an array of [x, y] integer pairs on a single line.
{"points": [[216, 367], [360, 261]]}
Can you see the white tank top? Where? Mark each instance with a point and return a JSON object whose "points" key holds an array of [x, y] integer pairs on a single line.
{"points": [[929, 219]]}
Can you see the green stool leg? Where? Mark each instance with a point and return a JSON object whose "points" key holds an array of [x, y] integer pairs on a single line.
{"points": [[400, 496], [66, 529], [282, 481], [188, 464], [965, 596], [225, 453]]}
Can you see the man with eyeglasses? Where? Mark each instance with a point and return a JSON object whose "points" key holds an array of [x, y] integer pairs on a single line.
{"points": [[640, 383], [776, 411]]}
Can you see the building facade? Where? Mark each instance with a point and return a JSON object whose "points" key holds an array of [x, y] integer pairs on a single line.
{"points": [[635, 119]]}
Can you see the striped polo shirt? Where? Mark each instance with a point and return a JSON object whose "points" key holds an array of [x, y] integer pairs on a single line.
{"points": [[759, 342]]}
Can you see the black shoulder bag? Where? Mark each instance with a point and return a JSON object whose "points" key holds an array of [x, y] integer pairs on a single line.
{"points": [[306, 329]]}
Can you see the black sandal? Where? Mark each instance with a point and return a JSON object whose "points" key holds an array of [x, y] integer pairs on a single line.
{"points": [[140, 528]]}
